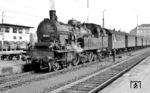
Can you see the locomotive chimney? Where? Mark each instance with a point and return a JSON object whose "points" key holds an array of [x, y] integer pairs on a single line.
{"points": [[52, 14]]}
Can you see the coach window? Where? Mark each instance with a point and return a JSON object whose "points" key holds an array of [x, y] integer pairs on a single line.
{"points": [[20, 37], [7, 29], [20, 30], [14, 30], [27, 30], [14, 37]]}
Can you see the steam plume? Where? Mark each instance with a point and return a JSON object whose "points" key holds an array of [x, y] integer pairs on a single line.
{"points": [[52, 4]]}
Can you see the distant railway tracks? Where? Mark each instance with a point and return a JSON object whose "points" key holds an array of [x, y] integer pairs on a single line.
{"points": [[98, 80], [12, 81]]}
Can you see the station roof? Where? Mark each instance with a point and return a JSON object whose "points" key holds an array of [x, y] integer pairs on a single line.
{"points": [[14, 25], [144, 25]]}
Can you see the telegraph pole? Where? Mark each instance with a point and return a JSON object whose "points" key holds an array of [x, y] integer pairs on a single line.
{"points": [[103, 24], [88, 11], [2, 30], [137, 23], [103, 27], [2, 17]]}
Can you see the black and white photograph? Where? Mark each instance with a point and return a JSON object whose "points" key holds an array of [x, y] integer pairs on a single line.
{"points": [[74, 46]]}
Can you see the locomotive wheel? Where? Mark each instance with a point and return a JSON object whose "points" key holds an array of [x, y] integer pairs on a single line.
{"points": [[56, 66], [95, 58], [75, 61], [90, 57], [99, 57], [84, 58], [49, 67]]}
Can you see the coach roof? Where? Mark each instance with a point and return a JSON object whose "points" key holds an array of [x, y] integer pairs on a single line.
{"points": [[109, 31], [130, 35]]}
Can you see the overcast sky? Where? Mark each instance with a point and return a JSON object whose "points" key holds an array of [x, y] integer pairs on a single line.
{"points": [[119, 14]]}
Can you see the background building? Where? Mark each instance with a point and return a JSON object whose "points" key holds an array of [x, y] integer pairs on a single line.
{"points": [[14, 36], [33, 38], [141, 30]]}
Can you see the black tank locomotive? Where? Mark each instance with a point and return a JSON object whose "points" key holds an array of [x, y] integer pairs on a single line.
{"points": [[63, 45]]}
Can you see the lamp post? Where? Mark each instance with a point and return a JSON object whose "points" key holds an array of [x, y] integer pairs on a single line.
{"points": [[2, 30]]}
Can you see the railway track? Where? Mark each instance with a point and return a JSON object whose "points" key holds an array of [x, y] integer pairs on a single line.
{"points": [[99, 80], [9, 82], [16, 77], [13, 77], [9, 78]]}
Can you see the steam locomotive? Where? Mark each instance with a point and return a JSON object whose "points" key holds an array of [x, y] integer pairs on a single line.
{"points": [[64, 45]]}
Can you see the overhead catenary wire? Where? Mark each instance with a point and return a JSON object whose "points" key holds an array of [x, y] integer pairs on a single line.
{"points": [[21, 15], [12, 2], [13, 16], [21, 5], [21, 18], [86, 4], [18, 12], [89, 9]]}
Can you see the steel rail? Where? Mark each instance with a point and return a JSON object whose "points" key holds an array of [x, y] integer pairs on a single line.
{"points": [[68, 88]]}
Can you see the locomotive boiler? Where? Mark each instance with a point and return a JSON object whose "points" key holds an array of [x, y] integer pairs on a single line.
{"points": [[63, 45]]}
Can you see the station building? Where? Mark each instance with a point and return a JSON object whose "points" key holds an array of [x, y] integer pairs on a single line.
{"points": [[33, 38], [12, 36], [141, 30]]}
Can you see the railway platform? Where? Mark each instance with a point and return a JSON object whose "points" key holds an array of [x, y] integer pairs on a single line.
{"points": [[11, 67], [137, 80]]}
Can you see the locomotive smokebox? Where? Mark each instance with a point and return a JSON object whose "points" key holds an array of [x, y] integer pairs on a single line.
{"points": [[52, 14]]}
